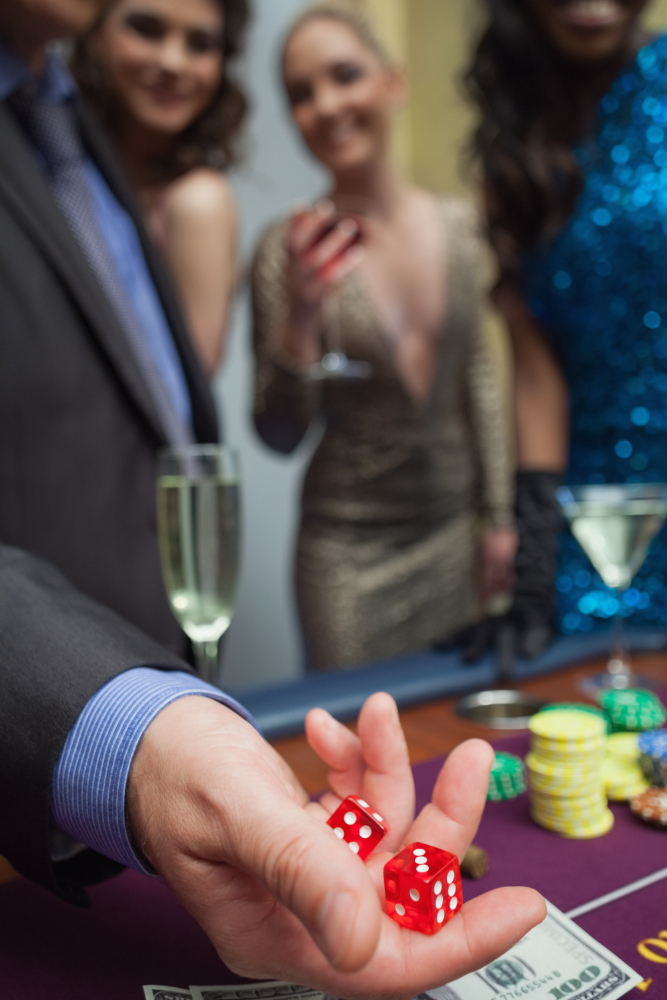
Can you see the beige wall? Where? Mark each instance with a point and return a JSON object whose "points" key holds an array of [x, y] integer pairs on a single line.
{"points": [[656, 16]]}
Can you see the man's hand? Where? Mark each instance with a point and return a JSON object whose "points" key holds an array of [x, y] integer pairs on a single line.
{"points": [[225, 822], [374, 765]]}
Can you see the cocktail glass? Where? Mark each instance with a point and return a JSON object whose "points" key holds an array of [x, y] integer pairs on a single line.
{"points": [[335, 365], [615, 524]]}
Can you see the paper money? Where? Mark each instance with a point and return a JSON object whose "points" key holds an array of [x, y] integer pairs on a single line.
{"points": [[255, 991], [554, 961], [166, 993]]}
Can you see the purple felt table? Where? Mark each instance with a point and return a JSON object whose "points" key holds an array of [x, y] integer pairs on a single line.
{"points": [[137, 933], [572, 872]]}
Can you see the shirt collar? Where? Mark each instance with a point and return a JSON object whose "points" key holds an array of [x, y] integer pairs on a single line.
{"points": [[55, 82]]}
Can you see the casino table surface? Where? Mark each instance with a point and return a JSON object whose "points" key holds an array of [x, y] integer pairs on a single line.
{"points": [[137, 933]]}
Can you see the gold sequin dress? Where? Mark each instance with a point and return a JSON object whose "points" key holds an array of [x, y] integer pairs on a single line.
{"points": [[393, 499]]}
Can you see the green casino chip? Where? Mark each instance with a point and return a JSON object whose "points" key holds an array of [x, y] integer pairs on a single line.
{"points": [[507, 779], [633, 710]]}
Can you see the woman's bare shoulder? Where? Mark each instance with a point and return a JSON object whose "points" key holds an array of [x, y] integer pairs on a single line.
{"points": [[457, 212], [464, 232], [459, 209], [203, 195]]}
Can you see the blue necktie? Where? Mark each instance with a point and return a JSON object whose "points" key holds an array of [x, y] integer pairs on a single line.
{"points": [[54, 131]]}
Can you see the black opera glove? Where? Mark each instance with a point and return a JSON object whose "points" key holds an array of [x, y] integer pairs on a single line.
{"points": [[539, 521], [528, 627]]}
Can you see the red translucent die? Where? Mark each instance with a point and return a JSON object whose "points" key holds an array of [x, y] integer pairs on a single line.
{"points": [[355, 822], [423, 888]]}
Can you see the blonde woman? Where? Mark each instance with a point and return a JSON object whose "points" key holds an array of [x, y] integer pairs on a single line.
{"points": [[407, 505]]}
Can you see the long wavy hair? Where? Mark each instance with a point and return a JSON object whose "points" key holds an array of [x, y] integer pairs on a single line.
{"points": [[213, 138], [535, 107]]}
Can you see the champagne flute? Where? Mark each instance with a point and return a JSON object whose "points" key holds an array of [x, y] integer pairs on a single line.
{"points": [[615, 524], [198, 508]]}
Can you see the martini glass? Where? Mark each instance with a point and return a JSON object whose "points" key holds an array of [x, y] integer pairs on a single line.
{"points": [[615, 524]]}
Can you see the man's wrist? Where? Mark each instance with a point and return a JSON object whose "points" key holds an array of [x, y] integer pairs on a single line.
{"points": [[90, 780], [153, 779]]}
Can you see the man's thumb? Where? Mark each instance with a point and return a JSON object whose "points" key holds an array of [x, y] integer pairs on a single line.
{"points": [[313, 873]]}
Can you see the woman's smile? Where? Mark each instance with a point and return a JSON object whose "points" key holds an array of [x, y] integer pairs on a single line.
{"points": [[589, 31], [593, 13]]}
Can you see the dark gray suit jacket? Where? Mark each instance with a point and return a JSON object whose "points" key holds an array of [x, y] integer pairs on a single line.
{"points": [[81, 593]]}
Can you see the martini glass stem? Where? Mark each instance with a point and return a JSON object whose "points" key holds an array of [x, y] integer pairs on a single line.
{"points": [[619, 661]]}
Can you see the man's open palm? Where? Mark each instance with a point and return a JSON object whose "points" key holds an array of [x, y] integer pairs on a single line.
{"points": [[227, 825]]}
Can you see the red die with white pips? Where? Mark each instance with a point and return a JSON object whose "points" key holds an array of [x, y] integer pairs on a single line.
{"points": [[423, 888], [355, 822]]}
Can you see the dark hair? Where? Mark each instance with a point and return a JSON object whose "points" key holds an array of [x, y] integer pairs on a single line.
{"points": [[535, 107], [210, 140]]}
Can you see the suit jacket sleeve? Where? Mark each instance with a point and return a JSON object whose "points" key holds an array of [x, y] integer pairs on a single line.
{"points": [[57, 648]]}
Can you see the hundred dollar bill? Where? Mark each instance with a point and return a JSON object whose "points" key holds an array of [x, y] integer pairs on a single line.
{"points": [[554, 961], [166, 993], [256, 991]]}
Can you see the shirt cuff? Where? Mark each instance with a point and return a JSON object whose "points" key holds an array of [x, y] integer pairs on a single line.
{"points": [[90, 778]]}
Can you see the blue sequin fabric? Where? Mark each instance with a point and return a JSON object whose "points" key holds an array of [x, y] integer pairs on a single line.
{"points": [[600, 293]]}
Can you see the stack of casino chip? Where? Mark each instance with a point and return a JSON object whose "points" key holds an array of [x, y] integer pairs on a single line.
{"points": [[623, 747], [565, 773], [632, 710], [621, 773], [652, 749], [507, 779], [577, 706]]}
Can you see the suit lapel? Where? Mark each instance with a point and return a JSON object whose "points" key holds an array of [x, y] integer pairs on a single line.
{"points": [[26, 193], [203, 408]]}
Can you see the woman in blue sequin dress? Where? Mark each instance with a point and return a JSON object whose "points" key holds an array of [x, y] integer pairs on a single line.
{"points": [[573, 143]]}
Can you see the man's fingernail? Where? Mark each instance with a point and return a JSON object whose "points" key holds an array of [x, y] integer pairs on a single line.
{"points": [[334, 923]]}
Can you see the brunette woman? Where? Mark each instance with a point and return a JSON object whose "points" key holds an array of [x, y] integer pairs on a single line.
{"points": [[573, 145], [411, 482], [161, 74]]}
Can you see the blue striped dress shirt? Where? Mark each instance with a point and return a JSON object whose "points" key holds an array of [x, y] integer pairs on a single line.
{"points": [[89, 781]]}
